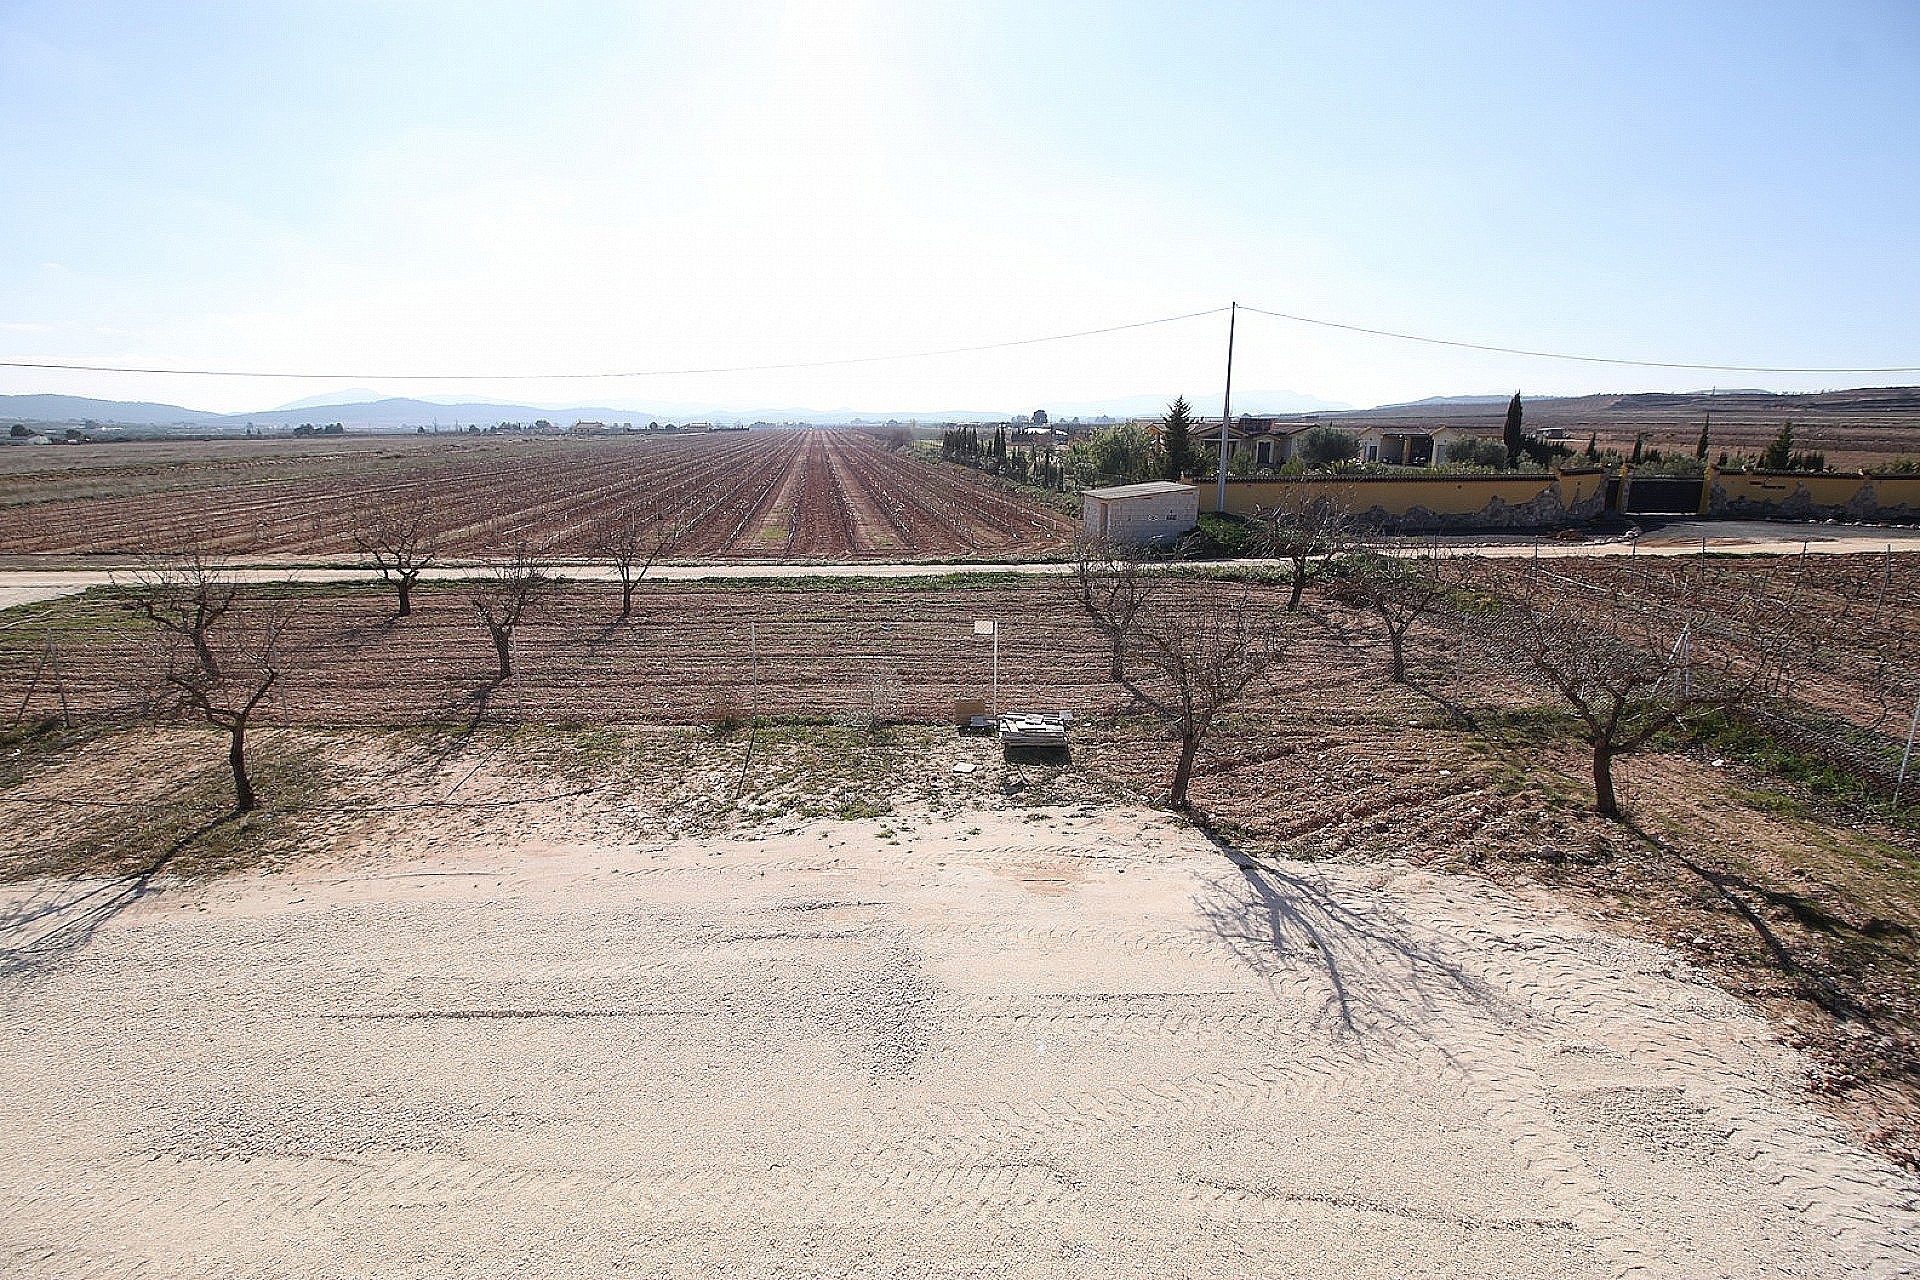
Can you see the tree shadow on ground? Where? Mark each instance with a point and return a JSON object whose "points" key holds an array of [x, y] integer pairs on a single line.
{"points": [[48, 928], [1057, 757], [1737, 890], [466, 709], [1458, 713], [1380, 980]]}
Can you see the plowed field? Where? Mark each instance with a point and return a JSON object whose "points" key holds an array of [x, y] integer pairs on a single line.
{"points": [[821, 494]]}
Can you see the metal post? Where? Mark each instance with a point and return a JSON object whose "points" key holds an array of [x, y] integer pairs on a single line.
{"points": [[996, 668], [1226, 414], [1901, 782], [1683, 660], [34, 683]]}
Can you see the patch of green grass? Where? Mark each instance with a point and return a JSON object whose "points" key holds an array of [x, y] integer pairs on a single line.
{"points": [[95, 612], [1537, 724], [1775, 802], [1728, 735], [990, 580], [191, 830], [1219, 534], [28, 746]]}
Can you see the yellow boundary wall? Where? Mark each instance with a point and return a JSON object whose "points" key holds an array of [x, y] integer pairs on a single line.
{"points": [[1861, 495], [1453, 499]]}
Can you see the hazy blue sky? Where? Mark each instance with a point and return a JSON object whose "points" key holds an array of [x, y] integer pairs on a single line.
{"points": [[492, 188]]}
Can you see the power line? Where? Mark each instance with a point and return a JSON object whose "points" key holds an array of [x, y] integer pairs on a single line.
{"points": [[842, 362], [1561, 355], [628, 373]]}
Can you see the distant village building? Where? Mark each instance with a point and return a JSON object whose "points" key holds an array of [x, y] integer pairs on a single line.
{"points": [[1140, 514]]}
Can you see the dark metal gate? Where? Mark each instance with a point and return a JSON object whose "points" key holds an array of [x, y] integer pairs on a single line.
{"points": [[1662, 496]]}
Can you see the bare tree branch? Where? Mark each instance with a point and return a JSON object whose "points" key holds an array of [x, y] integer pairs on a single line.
{"points": [[501, 599], [1113, 587], [1301, 530], [399, 538], [1398, 589], [1631, 666], [216, 656], [633, 539], [1191, 654]]}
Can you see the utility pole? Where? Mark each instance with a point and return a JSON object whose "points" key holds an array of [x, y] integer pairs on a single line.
{"points": [[1226, 413]]}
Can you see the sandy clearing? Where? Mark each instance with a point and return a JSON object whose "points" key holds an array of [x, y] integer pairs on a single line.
{"points": [[1070, 1042]]}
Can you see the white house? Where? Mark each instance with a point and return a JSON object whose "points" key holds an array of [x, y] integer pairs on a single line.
{"points": [[1409, 446], [1138, 514]]}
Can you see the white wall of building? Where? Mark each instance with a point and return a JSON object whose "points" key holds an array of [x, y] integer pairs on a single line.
{"points": [[1153, 517]]}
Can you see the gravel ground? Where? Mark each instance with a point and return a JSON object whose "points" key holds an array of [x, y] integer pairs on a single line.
{"points": [[1065, 1042]]}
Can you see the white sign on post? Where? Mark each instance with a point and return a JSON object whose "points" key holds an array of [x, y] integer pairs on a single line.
{"points": [[987, 627]]}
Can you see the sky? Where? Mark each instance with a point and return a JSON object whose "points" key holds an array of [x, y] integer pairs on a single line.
{"points": [[364, 192]]}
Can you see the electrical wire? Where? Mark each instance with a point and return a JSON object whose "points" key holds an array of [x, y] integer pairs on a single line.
{"points": [[1561, 355], [844, 361], [628, 373]]}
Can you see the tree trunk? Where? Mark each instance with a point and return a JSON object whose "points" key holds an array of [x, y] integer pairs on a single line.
{"points": [[626, 597], [406, 598], [237, 758], [209, 666], [1397, 643], [1299, 585], [1183, 771], [1604, 801], [502, 643]]}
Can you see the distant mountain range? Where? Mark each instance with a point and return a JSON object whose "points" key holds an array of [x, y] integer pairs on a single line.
{"points": [[367, 411], [402, 414], [73, 410]]}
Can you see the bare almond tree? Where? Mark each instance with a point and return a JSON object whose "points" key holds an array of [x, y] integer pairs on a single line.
{"points": [[186, 597], [216, 654], [1399, 590], [635, 538], [1113, 587], [502, 598], [1630, 669], [1192, 654], [1302, 530], [399, 538]]}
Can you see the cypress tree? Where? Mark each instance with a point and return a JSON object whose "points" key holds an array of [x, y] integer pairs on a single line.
{"points": [[1178, 438], [1514, 438], [1779, 454]]}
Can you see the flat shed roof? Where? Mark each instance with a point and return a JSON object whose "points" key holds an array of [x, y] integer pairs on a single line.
{"points": [[1139, 490]]}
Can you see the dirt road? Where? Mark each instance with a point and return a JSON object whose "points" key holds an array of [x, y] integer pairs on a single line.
{"points": [[1060, 1042], [25, 585]]}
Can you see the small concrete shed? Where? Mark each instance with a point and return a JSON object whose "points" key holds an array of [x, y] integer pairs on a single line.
{"points": [[1139, 514]]}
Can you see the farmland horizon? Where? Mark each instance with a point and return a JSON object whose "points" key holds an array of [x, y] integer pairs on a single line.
{"points": [[368, 408]]}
